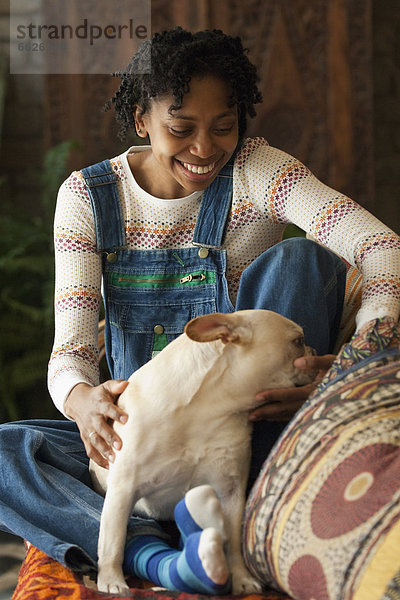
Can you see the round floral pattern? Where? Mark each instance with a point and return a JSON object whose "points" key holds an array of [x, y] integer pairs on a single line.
{"points": [[307, 579], [362, 484]]}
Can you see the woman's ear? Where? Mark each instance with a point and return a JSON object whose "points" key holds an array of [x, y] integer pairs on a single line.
{"points": [[139, 122]]}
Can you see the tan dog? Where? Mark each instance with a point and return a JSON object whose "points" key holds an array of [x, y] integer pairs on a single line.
{"points": [[188, 426]]}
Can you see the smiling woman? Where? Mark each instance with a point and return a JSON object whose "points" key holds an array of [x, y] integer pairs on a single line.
{"points": [[189, 145], [187, 225]]}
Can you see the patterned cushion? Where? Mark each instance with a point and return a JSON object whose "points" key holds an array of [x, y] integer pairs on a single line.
{"points": [[323, 519]]}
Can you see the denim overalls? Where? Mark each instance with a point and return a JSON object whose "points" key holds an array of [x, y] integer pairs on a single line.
{"points": [[150, 295]]}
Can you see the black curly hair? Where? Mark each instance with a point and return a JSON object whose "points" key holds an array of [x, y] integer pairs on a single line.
{"points": [[176, 56]]}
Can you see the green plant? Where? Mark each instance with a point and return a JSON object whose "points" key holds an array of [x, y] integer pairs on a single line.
{"points": [[26, 297]]}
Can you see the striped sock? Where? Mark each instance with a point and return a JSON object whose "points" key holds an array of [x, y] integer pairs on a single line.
{"points": [[150, 557], [184, 520]]}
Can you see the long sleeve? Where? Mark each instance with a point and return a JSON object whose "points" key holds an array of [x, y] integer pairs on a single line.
{"points": [[292, 194], [74, 357]]}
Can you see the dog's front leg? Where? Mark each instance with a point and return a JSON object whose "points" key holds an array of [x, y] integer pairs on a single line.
{"points": [[233, 507], [118, 504]]}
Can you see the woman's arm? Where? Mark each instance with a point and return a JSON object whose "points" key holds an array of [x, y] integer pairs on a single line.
{"points": [[73, 374], [292, 194], [77, 299]]}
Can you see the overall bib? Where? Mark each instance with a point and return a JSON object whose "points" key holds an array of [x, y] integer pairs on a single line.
{"points": [[149, 295]]}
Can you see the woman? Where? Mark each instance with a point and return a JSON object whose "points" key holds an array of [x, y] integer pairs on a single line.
{"points": [[188, 224]]}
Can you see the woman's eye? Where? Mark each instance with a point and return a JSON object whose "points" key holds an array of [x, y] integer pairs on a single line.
{"points": [[223, 130], [184, 132], [180, 132]]}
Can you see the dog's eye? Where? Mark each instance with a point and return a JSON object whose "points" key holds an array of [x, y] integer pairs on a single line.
{"points": [[299, 342]]}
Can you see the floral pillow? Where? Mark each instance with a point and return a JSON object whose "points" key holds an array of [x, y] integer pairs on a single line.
{"points": [[323, 518]]}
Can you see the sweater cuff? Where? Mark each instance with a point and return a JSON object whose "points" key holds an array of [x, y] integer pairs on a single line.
{"points": [[369, 313], [61, 388]]}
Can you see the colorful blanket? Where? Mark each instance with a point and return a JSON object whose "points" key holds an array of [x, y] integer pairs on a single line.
{"points": [[42, 578]]}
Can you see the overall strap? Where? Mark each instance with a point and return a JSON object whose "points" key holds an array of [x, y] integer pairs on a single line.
{"points": [[214, 210], [101, 183]]}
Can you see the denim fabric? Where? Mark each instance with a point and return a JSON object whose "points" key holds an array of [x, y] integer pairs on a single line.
{"points": [[214, 210], [101, 180], [45, 489], [46, 495], [45, 492], [134, 311], [302, 281]]}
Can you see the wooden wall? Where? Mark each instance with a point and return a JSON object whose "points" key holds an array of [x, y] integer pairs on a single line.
{"points": [[314, 60]]}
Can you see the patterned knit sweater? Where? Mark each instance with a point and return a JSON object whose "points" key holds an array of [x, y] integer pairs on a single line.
{"points": [[270, 190]]}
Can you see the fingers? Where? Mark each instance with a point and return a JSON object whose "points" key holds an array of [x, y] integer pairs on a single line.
{"points": [[95, 455], [280, 404], [105, 440], [108, 410], [272, 412], [94, 409], [101, 444], [323, 362], [115, 386], [114, 389], [283, 395]]}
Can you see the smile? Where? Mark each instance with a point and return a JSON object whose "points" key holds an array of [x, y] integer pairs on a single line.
{"points": [[198, 169]]}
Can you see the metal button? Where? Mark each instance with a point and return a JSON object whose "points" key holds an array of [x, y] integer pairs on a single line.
{"points": [[112, 257], [158, 329], [203, 252]]}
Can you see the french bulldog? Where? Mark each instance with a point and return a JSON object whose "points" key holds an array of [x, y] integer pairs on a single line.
{"points": [[188, 426]]}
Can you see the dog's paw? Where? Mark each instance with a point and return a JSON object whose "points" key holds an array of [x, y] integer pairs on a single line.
{"points": [[120, 589], [112, 582], [244, 583]]}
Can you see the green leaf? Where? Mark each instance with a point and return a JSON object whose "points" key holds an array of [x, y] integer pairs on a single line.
{"points": [[26, 296]]}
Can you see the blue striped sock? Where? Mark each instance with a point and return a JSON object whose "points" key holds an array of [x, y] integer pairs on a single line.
{"points": [[184, 520], [151, 558]]}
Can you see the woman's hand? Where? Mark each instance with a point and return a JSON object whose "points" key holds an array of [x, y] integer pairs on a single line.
{"points": [[92, 408], [281, 404]]}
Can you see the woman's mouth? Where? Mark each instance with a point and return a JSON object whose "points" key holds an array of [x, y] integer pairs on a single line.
{"points": [[197, 172], [199, 169]]}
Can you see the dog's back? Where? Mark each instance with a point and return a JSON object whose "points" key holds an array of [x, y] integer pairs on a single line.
{"points": [[183, 430]]}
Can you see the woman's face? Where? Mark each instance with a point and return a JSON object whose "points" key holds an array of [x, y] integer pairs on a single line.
{"points": [[189, 146]]}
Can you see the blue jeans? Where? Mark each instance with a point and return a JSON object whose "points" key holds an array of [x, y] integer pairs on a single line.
{"points": [[45, 491], [46, 495], [302, 281]]}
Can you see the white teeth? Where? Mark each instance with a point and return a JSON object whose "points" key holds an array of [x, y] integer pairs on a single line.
{"points": [[199, 170]]}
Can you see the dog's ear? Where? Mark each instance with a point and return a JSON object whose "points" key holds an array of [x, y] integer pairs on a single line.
{"points": [[217, 326]]}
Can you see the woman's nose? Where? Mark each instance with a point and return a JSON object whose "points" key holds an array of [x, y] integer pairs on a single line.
{"points": [[202, 146]]}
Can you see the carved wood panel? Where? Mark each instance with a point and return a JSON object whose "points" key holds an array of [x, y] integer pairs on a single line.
{"points": [[314, 61]]}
